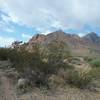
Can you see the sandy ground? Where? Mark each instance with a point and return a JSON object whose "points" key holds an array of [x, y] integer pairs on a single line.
{"points": [[7, 91]]}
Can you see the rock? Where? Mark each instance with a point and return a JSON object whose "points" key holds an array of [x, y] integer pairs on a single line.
{"points": [[23, 85], [65, 61], [94, 89], [22, 82], [97, 89]]}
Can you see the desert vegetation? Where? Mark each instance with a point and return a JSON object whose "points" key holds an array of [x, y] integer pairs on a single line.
{"points": [[49, 66]]}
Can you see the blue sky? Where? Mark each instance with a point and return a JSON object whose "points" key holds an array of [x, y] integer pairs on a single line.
{"points": [[21, 19]]}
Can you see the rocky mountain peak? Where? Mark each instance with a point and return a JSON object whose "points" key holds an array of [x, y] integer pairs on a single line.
{"points": [[92, 35], [92, 38]]}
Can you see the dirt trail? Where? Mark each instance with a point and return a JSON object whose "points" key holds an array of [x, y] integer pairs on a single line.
{"points": [[7, 91]]}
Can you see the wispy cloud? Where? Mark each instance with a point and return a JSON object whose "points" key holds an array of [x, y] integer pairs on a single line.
{"points": [[46, 32], [48, 14], [5, 18], [54, 13], [82, 34], [5, 27], [5, 23]]}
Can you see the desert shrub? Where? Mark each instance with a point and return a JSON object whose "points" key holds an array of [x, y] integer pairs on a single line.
{"points": [[23, 59], [16, 58], [95, 63], [58, 51], [53, 55], [28, 62], [80, 80], [4, 53], [95, 73]]}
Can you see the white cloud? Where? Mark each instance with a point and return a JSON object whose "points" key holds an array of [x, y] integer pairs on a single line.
{"points": [[82, 34], [26, 36], [54, 13], [6, 41], [46, 32]]}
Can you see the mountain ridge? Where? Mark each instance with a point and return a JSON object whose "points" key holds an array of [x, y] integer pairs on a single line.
{"points": [[78, 45]]}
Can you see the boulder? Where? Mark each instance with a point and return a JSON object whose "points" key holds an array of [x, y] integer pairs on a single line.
{"points": [[22, 83]]}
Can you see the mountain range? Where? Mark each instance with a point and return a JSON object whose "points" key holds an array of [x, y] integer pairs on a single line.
{"points": [[88, 45]]}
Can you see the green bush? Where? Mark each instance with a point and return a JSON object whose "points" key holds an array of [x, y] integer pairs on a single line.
{"points": [[95, 63]]}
